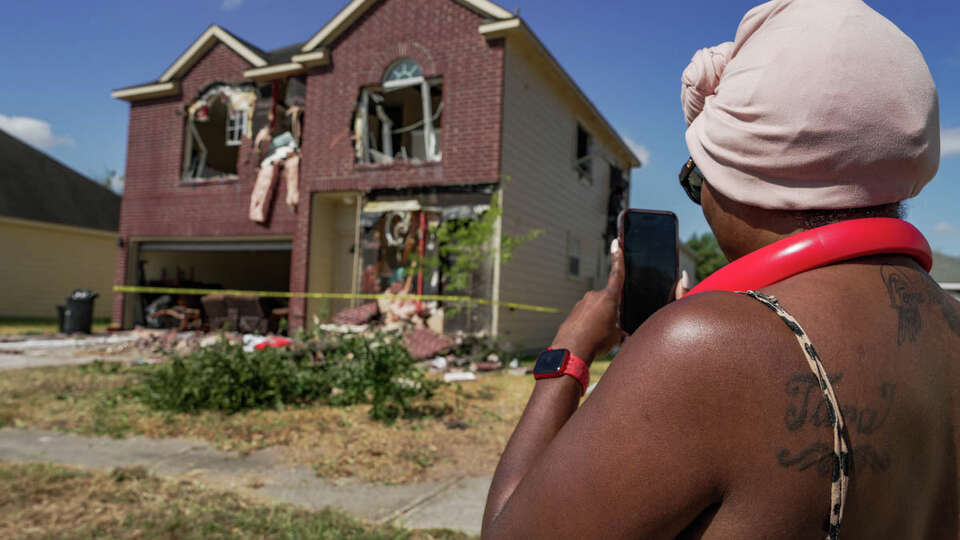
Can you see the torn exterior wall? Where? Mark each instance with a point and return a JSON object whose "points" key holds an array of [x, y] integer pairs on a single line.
{"points": [[217, 124], [399, 231], [277, 144], [401, 120]]}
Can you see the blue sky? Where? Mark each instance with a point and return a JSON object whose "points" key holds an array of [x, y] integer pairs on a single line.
{"points": [[61, 59]]}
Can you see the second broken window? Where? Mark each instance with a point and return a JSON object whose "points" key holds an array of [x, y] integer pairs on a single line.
{"points": [[401, 120]]}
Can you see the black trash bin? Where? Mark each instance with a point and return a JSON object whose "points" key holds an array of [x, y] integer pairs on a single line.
{"points": [[78, 313]]}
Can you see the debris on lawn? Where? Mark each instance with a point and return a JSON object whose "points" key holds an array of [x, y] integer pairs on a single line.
{"points": [[459, 376], [424, 343]]}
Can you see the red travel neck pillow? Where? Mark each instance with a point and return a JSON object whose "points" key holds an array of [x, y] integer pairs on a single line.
{"points": [[819, 247]]}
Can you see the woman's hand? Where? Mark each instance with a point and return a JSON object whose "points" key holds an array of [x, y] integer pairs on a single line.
{"points": [[591, 328]]}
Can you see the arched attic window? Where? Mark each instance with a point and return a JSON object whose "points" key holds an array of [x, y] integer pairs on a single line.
{"points": [[402, 70], [400, 120]]}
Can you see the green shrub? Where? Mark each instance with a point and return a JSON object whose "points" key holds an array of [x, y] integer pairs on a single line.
{"points": [[379, 370], [339, 370]]}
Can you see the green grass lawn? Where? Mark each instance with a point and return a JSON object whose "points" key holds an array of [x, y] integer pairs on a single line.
{"points": [[19, 326], [45, 501], [467, 435]]}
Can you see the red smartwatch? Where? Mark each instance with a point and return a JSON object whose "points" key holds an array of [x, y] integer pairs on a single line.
{"points": [[559, 362]]}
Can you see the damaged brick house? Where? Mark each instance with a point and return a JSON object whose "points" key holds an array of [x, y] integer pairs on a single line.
{"points": [[316, 166]]}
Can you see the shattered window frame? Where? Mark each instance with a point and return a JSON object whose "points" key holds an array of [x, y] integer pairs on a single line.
{"points": [[237, 102], [583, 154], [402, 74]]}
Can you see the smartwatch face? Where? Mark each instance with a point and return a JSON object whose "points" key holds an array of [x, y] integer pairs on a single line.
{"points": [[549, 362]]}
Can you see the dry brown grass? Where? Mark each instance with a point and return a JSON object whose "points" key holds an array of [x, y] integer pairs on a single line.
{"points": [[462, 431], [43, 501]]}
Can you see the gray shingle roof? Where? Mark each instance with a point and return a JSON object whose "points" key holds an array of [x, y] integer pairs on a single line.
{"points": [[35, 186]]}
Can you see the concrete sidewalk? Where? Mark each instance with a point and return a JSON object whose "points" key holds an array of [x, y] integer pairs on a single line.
{"points": [[65, 351], [455, 504]]}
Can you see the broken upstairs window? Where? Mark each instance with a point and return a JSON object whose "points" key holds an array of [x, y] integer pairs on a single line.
{"points": [[584, 160], [401, 120], [217, 122]]}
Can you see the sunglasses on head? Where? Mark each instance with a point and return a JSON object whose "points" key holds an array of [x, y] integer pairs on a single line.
{"points": [[692, 180]]}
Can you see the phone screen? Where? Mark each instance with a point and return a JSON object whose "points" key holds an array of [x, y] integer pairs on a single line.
{"points": [[650, 257]]}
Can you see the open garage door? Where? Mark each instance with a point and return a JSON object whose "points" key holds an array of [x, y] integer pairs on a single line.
{"points": [[255, 265]]}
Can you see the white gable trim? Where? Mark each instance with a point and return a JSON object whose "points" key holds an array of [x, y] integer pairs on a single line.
{"points": [[146, 91], [276, 71], [356, 8], [319, 57], [203, 44]]}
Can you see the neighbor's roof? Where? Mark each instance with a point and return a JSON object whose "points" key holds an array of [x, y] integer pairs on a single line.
{"points": [[946, 269], [35, 186]]}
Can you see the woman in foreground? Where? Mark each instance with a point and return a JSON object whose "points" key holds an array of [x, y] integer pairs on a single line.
{"points": [[825, 403]]}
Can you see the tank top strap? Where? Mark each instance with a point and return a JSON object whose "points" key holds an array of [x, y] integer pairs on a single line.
{"points": [[841, 441]]}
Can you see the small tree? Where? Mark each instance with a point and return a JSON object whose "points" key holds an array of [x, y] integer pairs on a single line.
{"points": [[709, 256], [464, 244]]}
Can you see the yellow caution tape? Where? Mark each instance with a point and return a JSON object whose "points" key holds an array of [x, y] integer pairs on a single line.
{"points": [[136, 289]]}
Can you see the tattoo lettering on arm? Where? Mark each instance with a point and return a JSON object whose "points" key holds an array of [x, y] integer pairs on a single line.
{"points": [[807, 407], [905, 298]]}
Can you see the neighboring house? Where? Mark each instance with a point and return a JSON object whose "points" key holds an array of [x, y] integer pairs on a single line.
{"points": [[58, 232], [313, 167], [946, 272]]}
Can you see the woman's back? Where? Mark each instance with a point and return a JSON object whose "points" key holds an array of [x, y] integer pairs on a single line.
{"points": [[889, 339]]}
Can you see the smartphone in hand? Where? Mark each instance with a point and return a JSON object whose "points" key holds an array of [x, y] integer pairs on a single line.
{"points": [[651, 259]]}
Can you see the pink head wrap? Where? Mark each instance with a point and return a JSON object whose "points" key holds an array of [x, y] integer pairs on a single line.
{"points": [[817, 104]]}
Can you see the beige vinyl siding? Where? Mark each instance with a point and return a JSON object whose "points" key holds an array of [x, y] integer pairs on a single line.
{"points": [[43, 263], [330, 263], [543, 190]]}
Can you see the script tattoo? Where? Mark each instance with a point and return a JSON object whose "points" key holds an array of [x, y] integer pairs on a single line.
{"points": [[905, 297], [865, 457], [807, 407]]}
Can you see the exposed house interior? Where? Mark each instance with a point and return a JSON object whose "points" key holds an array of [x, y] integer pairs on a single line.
{"points": [[394, 231], [209, 265], [402, 119], [217, 123]]}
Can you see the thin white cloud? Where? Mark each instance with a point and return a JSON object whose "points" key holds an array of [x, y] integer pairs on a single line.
{"points": [[116, 182], [228, 5], [950, 142], [640, 150], [33, 131], [946, 227]]}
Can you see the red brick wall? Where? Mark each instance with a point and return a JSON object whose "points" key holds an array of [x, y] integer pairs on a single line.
{"points": [[155, 201], [441, 35]]}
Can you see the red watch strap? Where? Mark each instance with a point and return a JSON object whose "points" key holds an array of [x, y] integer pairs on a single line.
{"points": [[579, 370], [573, 366]]}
